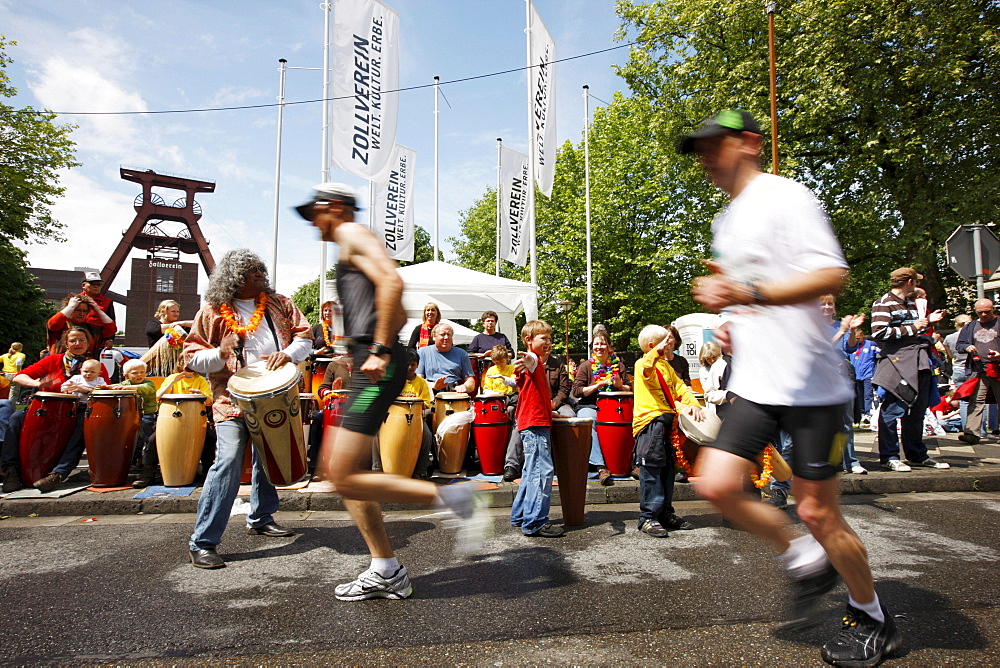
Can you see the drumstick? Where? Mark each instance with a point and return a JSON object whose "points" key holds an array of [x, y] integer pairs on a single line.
{"points": [[780, 470]]}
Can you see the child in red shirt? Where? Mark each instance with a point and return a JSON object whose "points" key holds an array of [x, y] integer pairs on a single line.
{"points": [[530, 511]]}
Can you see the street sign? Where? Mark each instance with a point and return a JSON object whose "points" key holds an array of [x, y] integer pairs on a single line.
{"points": [[961, 251]]}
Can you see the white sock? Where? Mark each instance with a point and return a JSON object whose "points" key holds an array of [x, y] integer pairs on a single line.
{"points": [[873, 609], [384, 567], [804, 558]]}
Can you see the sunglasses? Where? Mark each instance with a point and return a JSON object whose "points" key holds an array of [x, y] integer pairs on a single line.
{"points": [[257, 268]]}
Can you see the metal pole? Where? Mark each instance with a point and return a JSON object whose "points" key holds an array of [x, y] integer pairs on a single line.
{"points": [[499, 207], [277, 170], [437, 83], [586, 182], [772, 7], [531, 152], [325, 170], [977, 251], [567, 338]]}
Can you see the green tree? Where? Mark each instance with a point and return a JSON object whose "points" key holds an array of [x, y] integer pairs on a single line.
{"points": [[645, 247], [32, 152], [886, 110]]}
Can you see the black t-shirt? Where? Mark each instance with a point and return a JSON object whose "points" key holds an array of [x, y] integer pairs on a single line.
{"points": [[153, 332], [483, 342]]}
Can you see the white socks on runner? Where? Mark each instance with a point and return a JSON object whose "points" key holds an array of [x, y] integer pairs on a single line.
{"points": [[804, 558], [873, 609], [384, 567]]}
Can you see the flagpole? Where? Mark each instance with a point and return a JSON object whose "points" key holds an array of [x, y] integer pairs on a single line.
{"points": [[586, 181], [277, 169], [371, 205], [531, 153], [437, 83], [325, 170], [499, 214]]}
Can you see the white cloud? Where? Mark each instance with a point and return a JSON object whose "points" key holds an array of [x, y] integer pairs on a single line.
{"points": [[231, 96]]}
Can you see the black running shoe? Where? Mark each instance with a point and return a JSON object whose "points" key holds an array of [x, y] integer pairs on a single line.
{"points": [[806, 596], [861, 640]]}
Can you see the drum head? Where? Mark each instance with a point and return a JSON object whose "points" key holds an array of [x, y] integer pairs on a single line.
{"points": [[408, 400], [183, 397], [122, 392], [617, 395], [452, 396], [54, 395], [572, 421], [702, 433], [255, 379], [322, 360]]}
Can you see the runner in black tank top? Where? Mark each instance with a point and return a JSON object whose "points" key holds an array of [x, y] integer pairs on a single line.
{"points": [[371, 291]]}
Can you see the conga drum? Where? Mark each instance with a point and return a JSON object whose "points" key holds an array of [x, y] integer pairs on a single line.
{"points": [[180, 437], [270, 404], [454, 444], [305, 380], [247, 476], [492, 430], [614, 430], [109, 430], [697, 434], [4, 387], [400, 436], [570, 452], [48, 425], [318, 371]]}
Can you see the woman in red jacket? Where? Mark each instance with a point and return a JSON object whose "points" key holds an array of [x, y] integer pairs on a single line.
{"points": [[47, 375]]}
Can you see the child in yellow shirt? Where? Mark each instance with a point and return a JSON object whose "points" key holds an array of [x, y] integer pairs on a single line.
{"points": [[659, 395], [500, 377]]}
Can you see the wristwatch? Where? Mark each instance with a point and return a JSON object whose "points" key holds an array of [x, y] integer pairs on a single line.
{"points": [[379, 349], [755, 294]]}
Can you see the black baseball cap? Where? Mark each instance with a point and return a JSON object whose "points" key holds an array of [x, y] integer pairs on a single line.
{"points": [[731, 120], [328, 192]]}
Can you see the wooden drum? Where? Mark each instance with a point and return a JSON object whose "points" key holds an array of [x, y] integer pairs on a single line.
{"points": [[492, 431], [48, 425], [180, 437], [318, 372], [400, 436], [614, 430], [570, 452], [109, 431], [270, 404], [453, 446]]}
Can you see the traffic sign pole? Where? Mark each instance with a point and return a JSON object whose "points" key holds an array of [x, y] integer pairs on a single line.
{"points": [[977, 251]]}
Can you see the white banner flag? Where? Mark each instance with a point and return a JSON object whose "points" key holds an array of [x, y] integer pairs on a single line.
{"points": [[391, 217], [543, 102], [365, 66], [513, 197]]}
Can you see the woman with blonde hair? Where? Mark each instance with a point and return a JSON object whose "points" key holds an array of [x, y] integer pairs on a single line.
{"points": [[712, 374], [167, 315], [421, 335]]}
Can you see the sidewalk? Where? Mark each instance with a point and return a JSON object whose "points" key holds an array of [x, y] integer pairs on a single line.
{"points": [[973, 469]]}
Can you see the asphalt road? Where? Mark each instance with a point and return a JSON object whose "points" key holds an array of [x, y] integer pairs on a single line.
{"points": [[120, 590]]}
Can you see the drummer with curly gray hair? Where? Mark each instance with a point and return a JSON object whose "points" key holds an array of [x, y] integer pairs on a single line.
{"points": [[243, 321]]}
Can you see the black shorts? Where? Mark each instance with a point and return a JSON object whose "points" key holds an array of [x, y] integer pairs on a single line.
{"points": [[369, 402], [817, 432]]}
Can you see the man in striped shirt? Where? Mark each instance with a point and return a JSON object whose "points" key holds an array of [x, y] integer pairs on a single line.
{"points": [[903, 369]]}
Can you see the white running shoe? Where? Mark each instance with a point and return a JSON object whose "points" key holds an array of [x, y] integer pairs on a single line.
{"points": [[896, 465], [372, 585], [858, 469]]}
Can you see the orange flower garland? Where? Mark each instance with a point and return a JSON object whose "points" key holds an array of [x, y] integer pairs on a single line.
{"points": [[678, 440], [765, 475], [255, 319], [326, 335]]}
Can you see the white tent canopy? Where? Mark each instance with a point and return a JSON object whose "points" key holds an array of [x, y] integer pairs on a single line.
{"points": [[464, 293]]}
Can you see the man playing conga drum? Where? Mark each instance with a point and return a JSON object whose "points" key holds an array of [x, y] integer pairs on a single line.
{"points": [[371, 291], [243, 321]]}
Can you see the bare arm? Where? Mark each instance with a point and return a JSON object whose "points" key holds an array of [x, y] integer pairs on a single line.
{"points": [[718, 291]]}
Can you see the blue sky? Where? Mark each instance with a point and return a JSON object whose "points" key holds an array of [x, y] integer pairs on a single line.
{"points": [[90, 55]]}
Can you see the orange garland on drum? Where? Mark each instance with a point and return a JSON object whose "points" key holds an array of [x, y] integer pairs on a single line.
{"points": [[255, 319], [765, 475], [677, 437]]}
